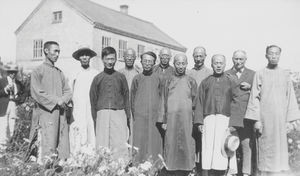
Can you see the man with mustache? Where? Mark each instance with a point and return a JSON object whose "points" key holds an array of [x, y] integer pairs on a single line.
{"points": [[82, 131], [244, 77], [109, 96], [164, 66], [130, 70], [51, 92]]}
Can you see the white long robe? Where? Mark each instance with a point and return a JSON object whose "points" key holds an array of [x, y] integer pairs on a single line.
{"points": [[82, 129], [273, 102]]}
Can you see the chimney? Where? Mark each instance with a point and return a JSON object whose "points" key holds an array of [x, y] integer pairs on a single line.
{"points": [[124, 9]]}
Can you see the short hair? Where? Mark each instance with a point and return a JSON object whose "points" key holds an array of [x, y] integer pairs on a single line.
{"points": [[217, 55], [126, 52], [176, 57], [150, 53], [272, 46], [239, 51], [107, 51], [48, 44]]}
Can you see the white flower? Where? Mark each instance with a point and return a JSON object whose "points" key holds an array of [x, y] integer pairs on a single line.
{"points": [[133, 170], [27, 108], [290, 140], [146, 166], [141, 175], [102, 168]]}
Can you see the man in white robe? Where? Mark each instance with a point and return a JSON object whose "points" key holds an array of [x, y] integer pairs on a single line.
{"points": [[273, 105], [82, 131]]}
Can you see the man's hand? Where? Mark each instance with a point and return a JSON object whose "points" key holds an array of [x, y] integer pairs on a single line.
{"points": [[258, 127], [245, 86], [200, 128], [231, 129], [62, 104], [164, 126], [8, 88]]}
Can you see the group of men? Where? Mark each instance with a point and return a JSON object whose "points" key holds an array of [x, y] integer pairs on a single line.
{"points": [[195, 119]]}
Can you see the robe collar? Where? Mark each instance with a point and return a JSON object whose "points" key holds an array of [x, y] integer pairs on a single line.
{"points": [[164, 67], [109, 71], [196, 67], [179, 75], [148, 73], [49, 63], [218, 75]]}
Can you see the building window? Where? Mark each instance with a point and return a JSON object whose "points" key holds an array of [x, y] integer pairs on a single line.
{"points": [[37, 48], [57, 17], [141, 50], [105, 41], [122, 48]]}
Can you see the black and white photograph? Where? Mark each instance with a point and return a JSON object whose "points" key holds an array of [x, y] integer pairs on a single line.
{"points": [[150, 88]]}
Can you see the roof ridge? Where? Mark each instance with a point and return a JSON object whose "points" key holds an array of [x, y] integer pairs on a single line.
{"points": [[97, 4]]}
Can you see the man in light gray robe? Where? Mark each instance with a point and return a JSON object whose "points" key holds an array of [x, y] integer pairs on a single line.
{"points": [[272, 104], [50, 90]]}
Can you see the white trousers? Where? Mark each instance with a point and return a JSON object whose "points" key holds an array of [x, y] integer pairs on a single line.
{"points": [[7, 124], [214, 128]]}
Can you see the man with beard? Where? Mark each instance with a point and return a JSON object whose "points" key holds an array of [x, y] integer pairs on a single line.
{"points": [[51, 92], [199, 72], [82, 131], [215, 97], [129, 71], [146, 94], [109, 96], [244, 77], [273, 105], [179, 105], [164, 67]]}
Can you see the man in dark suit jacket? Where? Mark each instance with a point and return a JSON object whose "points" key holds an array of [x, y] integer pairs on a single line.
{"points": [[244, 78], [10, 96]]}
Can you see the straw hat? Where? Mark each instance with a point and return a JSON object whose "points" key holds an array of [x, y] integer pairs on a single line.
{"points": [[83, 49], [230, 143]]}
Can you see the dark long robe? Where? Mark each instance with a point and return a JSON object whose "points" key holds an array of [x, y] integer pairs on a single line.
{"points": [[48, 86], [146, 96], [180, 98]]}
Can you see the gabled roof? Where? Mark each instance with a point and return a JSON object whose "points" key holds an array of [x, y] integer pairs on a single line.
{"points": [[120, 23]]}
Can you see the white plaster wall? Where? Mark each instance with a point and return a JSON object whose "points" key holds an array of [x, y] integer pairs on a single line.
{"points": [[131, 43], [72, 32]]}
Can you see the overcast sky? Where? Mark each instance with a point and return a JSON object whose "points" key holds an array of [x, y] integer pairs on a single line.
{"points": [[218, 25]]}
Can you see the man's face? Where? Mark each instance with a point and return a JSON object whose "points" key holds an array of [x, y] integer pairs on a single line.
{"points": [[52, 52], [180, 65], [129, 58], [199, 58], [85, 60], [218, 64], [273, 55], [164, 58], [239, 60], [109, 61], [147, 62]]}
